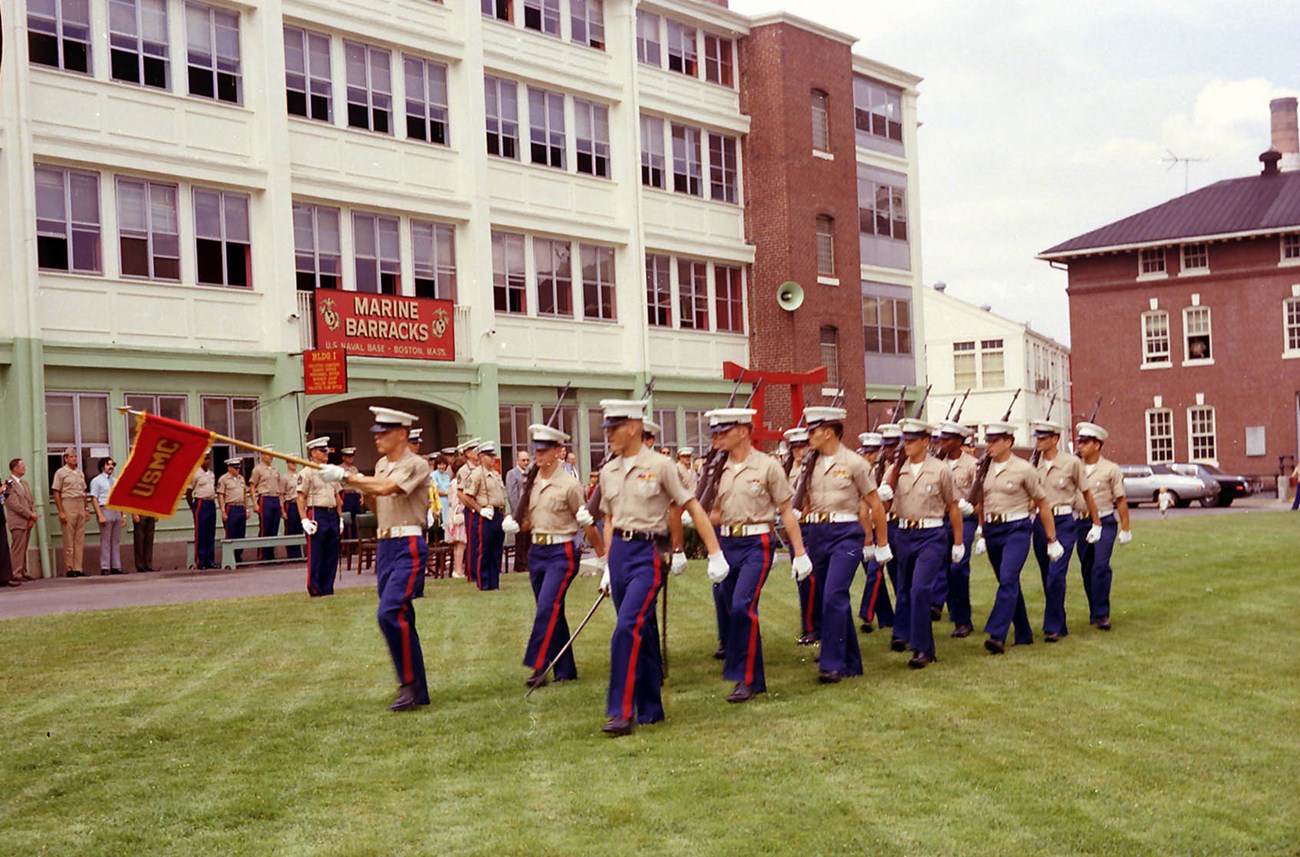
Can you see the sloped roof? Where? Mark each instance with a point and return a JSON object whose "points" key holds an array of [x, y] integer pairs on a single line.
{"points": [[1255, 204]]}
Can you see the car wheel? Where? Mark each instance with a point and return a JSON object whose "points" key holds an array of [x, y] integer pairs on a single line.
{"points": [[1225, 502], [1207, 502], [1179, 502]]}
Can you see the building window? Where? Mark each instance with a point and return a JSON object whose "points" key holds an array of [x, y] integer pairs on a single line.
{"points": [[830, 351], [77, 420], [729, 298], [542, 16], [887, 325], [546, 125], [376, 246], [370, 88], [687, 174], [963, 365], [598, 452], [1155, 337], [681, 49], [1291, 323], [502, 117], [513, 422], [553, 260], [509, 281], [717, 60], [821, 121], [137, 39], [67, 221], [171, 407], [992, 364], [318, 258], [426, 100], [58, 34], [591, 123], [232, 416], [1290, 247], [1151, 262], [587, 22], [1160, 436], [667, 419], [659, 290], [697, 432], [693, 294], [502, 10], [877, 111], [307, 77], [1196, 257], [722, 168], [212, 47], [652, 152], [825, 246], [434, 249], [598, 287], [886, 215], [1200, 433], [647, 39], [147, 229], [223, 245], [1196, 331]]}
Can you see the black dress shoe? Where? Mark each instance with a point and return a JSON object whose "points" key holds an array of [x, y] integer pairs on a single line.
{"points": [[405, 699], [537, 679], [12, 582], [720, 653], [866, 628], [806, 640], [936, 613], [103, 572], [920, 661], [829, 676], [1103, 624], [616, 727], [1052, 637], [76, 574], [995, 646], [962, 631], [896, 644], [115, 571], [742, 693]]}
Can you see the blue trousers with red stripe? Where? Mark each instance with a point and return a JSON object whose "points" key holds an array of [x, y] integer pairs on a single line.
{"points": [[811, 590], [1008, 546], [1094, 565], [470, 526], [750, 558], [836, 549], [922, 557], [399, 568], [636, 574], [205, 533], [721, 611], [485, 558], [352, 504], [323, 552], [956, 590], [268, 523], [875, 596], [551, 569], [1055, 573], [236, 526], [292, 527]]}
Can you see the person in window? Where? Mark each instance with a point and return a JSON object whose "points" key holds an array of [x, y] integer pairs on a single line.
{"points": [[69, 492], [110, 520]]}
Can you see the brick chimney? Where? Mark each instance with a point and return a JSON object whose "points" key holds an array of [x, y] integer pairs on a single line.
{"points": [[1286, 135]]}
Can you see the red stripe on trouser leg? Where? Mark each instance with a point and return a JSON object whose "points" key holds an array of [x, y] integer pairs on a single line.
{"points": [[408, 671], [812, 599], [875, 593], [630, 684], [753, 610], [478, 549], [311, 589], [555, 608]]}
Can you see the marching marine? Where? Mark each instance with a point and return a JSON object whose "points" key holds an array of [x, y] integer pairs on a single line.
{"points": [[1108, 494], [319, 506], [954, 587], [484, 496], [875, 595]]}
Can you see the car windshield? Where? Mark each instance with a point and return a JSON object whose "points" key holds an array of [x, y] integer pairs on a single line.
{"points": [[1212, 469]]}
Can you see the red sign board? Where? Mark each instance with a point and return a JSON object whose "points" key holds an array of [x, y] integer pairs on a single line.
{"points": [[325, 372], [368, 325]]}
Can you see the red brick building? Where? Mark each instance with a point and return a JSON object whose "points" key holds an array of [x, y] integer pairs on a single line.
{"points": [[1185, 320]]}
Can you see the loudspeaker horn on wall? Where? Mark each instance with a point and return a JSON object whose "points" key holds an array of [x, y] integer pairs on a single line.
{"points": [[790, 296]]}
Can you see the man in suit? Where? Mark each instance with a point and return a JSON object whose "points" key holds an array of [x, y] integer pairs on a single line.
{"points": [[515, 479], [20, 509], [6, 570]]}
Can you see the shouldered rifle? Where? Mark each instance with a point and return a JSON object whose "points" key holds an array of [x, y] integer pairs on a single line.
{"points": [[707, 489], [1036, 455], [957, 416], [593, 502], [810, 457], [1092, 418], [525, 493], [787, 460], [900, 454], [711, 457], [976, 493], [882, 460]]}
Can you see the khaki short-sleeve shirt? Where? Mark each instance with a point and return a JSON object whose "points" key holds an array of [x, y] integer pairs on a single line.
{"points": [[963, 471], [925, 494], [750, 491], [689, 479], [554, 503], [636, 492], [485, 486], [1107, 484], [204, 485], [1064, 479], [1013, 489], [316, 491], [288, 486], [410, 506], [465, 470], [265, 480], [70, 483], [232, 489], [839, 482]]}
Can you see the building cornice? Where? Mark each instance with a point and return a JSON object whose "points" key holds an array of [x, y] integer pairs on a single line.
{"points": [[1223, 237], [886, 73], [798, 23], [709, 15]]}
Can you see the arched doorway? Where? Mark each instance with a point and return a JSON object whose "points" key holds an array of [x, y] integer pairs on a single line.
{"points": [[348, 424]]}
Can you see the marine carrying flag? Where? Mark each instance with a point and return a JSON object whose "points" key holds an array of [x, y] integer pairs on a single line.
{"points": [[165, 455]]}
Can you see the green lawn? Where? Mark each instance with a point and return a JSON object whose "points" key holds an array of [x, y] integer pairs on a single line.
{"points": [[259, 727]]}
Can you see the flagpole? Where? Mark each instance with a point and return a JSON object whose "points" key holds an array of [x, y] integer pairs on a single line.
{"points": [[302, 462]]}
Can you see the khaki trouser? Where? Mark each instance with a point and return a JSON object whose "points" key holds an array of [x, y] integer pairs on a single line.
{"points": [[18, 550], [74, 533]]}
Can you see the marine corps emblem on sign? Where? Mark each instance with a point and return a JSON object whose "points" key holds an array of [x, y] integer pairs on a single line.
{"points": [[440, 322], [329, 315]]}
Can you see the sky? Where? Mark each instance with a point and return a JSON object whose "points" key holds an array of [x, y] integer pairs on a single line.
{"points": [[1044, 120]]}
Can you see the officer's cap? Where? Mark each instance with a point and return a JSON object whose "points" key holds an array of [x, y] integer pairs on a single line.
{"points": [[69, 452], [319, 443], [722, 419], [488, 448], [450, 450], [949, 428], [415, 435], [470, 445], [819, 414], [1045, 428], [1092, 430], [618, 411], [870, 440], [352, 450], [232, 462], [796, 436], [890, 432], [387, 419], [913, 428], [544, 437], [650, 428], [999, 429]]}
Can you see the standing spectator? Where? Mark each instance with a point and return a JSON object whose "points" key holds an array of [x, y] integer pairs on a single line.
{"points": [[69, 490], [20, 508], [442, 482], [515, 479], [202, 497], [571, 465], [289, 506], [1162, 500], [592, 483], [1295, 486], [457, 532], [6, 568], [142, 532], [110, 520], [232, 493]]}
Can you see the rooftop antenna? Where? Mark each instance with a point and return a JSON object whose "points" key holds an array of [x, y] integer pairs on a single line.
{"points": [[1173, 161]]}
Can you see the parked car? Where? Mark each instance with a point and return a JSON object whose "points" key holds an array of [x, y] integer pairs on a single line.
{"points": [[1230, 487], [1211, 484], [1142, 484]]}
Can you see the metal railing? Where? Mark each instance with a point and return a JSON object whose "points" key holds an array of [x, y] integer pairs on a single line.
{"points": [[306, 320]]}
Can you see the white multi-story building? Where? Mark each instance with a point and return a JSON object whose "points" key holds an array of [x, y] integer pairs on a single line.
{"points": [[971, 347]]}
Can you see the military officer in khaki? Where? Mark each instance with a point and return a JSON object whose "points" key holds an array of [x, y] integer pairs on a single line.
{"points": [[202, 497], [1107, 484], [684, 469], [264, 495], [232, 500], [484, 494], [954, 587], [320, 506], [289, 507], [72, 502]]}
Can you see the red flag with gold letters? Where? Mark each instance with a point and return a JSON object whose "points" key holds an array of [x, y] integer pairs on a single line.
{"points": [[162, 461]]}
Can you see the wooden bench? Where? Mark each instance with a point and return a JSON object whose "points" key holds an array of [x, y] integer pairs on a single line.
{"points": [[189, 551], [252, 543]]}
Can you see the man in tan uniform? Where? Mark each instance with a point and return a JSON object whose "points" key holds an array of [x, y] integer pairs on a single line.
{"points": [[1108, 494], [289, 507], [202, 497], [484, 495], [72, 503], [264, 494], [232, 501], [320, 505], [20, 508], [684, 468], [954, 587]]}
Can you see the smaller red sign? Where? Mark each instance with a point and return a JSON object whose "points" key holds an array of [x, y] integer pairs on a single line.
{"points": [[325, 372]]}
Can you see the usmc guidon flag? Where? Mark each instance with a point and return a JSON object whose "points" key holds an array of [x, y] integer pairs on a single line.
{"points": [[165, 455]]}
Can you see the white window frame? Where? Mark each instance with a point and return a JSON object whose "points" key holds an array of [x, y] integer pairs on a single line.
{"points": [[683, 44], [83, 447], [151, 233], [825, 244], [659, 289], [66, 227], [724, 168], [989, 347], [1166, 415], [591, 137], [1188, 314], [965, 348], [502, 107], [1150, 357], [649, 39], [1152, 263], [1198, 418], [433, 258], [178, 407], [1289, 249], [304, 75], [557, 272], [548, 17], [506, 244], [690, 163], [604, 291], [829, 351], [691, 298], [653, 152], [891, 333], [133, 41], [218, 62], [587, 23], [547, 128], [1194, 259], [732, 303], [1291, 326], [307, 225], [494, 9], [425, 95], [894, 201], [385, 233], [373, 91], [228, 234], [820, 107], [882, 112], [65, 31], [719, 68]]}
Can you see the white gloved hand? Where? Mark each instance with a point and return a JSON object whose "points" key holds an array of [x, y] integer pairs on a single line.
{"points": [[798, 514], [868, 553], [508, 525], [718, 568], [687, 520], [604, 582], [458, 519], [884, 554], [981, 547], [1124, 537], [488, 512], [584, 517], [1094, 534], [964, 507], [332, 473], [309, 527], [428, 520], [678, 564], [1054, 550], [800, 567], [958, 553], [886, 493]]}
